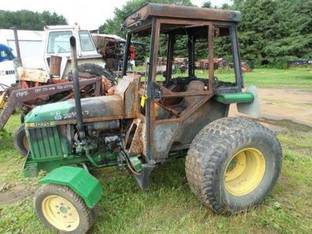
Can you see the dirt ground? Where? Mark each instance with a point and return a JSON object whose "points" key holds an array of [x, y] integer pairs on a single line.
{"points": [[285, 104], [11, 193]]}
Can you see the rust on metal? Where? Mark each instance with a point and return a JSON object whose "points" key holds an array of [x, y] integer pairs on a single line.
{"points": [[36, 95], [180, 12], [55, 65]]}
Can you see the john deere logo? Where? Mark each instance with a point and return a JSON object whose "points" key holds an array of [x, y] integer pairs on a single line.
{"points": [[58, 116]]}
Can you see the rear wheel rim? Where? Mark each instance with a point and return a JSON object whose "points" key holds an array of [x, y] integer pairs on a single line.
{"points": [[244, 172], [60, 213]]}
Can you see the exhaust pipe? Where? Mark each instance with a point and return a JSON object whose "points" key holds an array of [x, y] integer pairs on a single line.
{"points": [[75, 76], [17, 46]]}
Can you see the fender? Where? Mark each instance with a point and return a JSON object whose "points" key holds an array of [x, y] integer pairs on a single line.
{"points": [[248, 102], [253, 109], [77, 179]]}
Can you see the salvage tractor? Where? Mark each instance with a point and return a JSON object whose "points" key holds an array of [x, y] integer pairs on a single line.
{"points": [[231, 163]]}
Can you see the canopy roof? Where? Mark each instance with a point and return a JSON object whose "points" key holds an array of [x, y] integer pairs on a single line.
{"points": [[149, 10]]}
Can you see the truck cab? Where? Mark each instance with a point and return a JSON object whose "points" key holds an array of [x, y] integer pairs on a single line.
{"points": [[56, 43]]}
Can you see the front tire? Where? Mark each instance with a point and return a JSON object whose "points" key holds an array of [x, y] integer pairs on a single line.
{"points": [[232, 164], [61, 209], [20, 141]]}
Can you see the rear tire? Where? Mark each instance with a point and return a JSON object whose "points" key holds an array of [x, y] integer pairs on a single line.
{"points": [[20, 141], [61, 209], [232, 164], [97, 70]]}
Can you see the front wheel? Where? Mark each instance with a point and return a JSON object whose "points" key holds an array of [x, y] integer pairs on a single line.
{"points": [[232, 164], [59, 208], [20, 141]]}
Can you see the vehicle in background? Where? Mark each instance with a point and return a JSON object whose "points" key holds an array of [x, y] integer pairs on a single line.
{"points": [[56, 43], [7, 72]]}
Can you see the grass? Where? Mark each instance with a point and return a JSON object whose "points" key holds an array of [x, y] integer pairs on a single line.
{"points": [[169, 206], [262, 77]]}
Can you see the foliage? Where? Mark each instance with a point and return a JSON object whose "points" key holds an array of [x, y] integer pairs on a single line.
{"points": [[272, 32], [114, 26], [30, 20]]}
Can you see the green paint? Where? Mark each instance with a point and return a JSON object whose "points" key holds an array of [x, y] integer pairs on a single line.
{"points": [[77, 179], [136, 164], [50, 112], [47, 143], [228, 98]]}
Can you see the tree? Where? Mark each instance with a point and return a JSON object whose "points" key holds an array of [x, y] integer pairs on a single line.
{"points": [[274, 32], [30, 20], [207, 4], [114, 25]]}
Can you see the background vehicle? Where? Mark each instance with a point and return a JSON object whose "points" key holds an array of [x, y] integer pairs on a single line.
{"points": [[56, 43], [7, 70], [231, 163]]}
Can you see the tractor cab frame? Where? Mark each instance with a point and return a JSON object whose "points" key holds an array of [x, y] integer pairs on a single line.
{"points": [[189, 103]]}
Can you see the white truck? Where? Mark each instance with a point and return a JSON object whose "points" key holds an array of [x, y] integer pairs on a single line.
{"points": [[56, 43]]}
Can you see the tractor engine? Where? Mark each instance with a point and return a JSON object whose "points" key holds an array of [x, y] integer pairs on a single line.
{"points": [[54, 138]]}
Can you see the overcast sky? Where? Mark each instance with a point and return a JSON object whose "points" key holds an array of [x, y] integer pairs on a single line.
{"points": [[90, 14]]}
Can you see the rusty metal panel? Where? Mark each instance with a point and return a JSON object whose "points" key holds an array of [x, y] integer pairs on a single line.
{"points": [[182, 12], [127, 88], [134, 140]]}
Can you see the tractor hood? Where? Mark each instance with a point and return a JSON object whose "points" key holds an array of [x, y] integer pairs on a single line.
{"points": [[93, 109]]}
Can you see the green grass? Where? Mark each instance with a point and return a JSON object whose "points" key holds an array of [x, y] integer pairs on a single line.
{"points": [[169, 206], [264, 78]]}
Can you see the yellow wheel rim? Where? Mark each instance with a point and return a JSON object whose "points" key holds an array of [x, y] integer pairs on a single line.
{"points": [[244, 172], [60, 213]]}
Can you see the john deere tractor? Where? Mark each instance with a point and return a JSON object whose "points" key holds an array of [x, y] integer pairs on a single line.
{"points": [[231, 163]]}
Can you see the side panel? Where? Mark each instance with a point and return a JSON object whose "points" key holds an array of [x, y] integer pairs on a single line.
{"points": [[172, 135]]}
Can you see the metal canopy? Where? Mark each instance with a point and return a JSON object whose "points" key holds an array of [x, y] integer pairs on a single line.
{"points": [[147, 11]]}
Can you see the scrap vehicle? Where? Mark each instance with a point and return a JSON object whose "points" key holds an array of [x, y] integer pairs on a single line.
{"points": [[7, 73], [231, 163], [56, 44], [52, 82]]}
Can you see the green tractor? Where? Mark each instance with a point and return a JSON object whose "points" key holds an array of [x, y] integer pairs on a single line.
{"points": [[231, 163]]}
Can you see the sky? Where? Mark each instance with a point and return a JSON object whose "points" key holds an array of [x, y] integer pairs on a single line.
{"points": [[90, 14]]}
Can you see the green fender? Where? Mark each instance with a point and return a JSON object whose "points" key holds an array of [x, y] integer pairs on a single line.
{"points": [[77, 179]]}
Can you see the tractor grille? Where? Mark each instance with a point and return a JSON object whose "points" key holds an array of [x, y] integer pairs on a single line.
{"points": [[47, 143]]}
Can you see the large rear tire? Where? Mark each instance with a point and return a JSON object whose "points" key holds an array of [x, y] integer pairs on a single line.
{"points": [[61, 209], [20, 141], [232, 164]]}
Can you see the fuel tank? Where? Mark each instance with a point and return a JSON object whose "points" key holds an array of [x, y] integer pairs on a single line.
{"points": [[93, 109]]}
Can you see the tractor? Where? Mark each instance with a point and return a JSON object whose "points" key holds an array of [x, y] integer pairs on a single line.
{"points": [[231, 163]]}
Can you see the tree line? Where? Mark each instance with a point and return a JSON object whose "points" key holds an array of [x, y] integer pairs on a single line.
{"points": [[272, 32], [29, 20]]}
